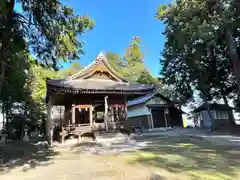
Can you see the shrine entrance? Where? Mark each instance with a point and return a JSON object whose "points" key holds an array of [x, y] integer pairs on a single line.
{"points": [[95, 98], [82, 115]]}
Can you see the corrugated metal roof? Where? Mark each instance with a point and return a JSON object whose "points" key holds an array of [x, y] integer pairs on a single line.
{"points": [[141, 100], [145, 98]]}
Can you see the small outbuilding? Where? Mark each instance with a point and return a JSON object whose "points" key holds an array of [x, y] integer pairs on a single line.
{"points": [[219, 112], [153, 111]]}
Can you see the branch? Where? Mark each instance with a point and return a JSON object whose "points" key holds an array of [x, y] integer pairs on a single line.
{"points": [[21, 16], [29, 23]]}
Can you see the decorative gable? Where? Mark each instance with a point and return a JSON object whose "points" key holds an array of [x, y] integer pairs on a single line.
{"points": [[98, 69]]}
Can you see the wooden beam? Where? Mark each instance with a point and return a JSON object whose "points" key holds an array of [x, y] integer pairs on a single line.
{"points": [[73, 115], [95, 116], [112, 115], [82, 106], [105, 113], [90, 116], [165, 117], [151, 118], [49, 123]]}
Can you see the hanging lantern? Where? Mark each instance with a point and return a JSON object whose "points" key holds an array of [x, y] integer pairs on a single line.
{"points": [[86, 109], [79, 109]]}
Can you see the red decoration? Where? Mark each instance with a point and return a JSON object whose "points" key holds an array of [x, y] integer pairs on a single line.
{"points": [[118, 105]]}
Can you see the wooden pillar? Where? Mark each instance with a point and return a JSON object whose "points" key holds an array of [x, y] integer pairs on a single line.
{"points": [[66, 114], [95, 117], [126, 111], [105, 113], [112, 115], [90, 115], [49, 123], [151, 119], [125, 108], [165, 116], [73, 114]]}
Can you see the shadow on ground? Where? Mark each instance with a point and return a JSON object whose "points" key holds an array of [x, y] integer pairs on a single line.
{"points": [[193, 157], [111, 146], [26, 155]]}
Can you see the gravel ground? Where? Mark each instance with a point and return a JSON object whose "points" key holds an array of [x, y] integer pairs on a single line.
{"points": [[76, 167], [87, 161], [71, 161]]}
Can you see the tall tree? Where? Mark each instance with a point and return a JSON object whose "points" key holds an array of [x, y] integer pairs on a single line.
{"points": [[14, 88], [134, 60], [141, 75], [116, 61], [202, 41], [146, 77], [74, 68], [48, 28], [36, 82], [131, 65]]}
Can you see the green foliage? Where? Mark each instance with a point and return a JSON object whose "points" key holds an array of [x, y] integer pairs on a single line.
{"points": [[196, 54], [52, 29], [13, 86], [73, 69], [131, 65], [134, 60], [49, 31], [116, 61], [37, 82], [146, 78]]}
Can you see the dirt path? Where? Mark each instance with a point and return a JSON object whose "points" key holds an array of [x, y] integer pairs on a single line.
{"points": [[173, 157], [75, 167], [29, 161]]}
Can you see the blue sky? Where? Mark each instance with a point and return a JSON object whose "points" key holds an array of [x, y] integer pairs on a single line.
{"points": [[116, 23]]}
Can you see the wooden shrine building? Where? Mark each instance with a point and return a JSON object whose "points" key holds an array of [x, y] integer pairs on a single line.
{"points": [[93, 99]]}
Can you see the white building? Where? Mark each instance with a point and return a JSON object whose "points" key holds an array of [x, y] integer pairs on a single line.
{"points": [[153, 111]]}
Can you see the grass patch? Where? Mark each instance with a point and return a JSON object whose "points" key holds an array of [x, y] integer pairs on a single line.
{"points": [[194, 158]]}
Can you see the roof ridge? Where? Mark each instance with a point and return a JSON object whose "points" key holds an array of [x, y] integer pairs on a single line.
{"points": [[105, 59], [89, 66], [100, 58]]}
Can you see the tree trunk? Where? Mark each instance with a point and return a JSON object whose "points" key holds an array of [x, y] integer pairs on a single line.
{"points": [[209, 114], [3, 123], [211, 118], [7, 31], [232, 50], [6, 106], [230, 114]]}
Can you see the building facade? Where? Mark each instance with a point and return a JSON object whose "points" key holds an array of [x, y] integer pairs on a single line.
{"points": [[87, 95], [219, 115], [153, 111]]}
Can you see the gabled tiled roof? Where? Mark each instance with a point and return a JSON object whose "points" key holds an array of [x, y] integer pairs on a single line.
{"points": [[82, 82], [99, 84], [101, 58]]}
